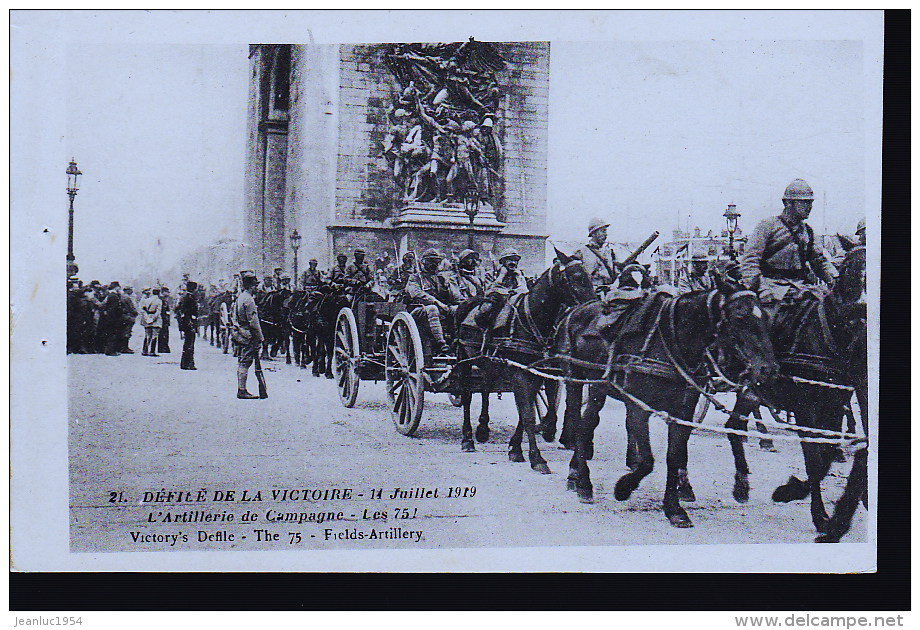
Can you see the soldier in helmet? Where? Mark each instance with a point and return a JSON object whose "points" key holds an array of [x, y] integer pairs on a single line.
{"points": [[510, 281], [861, 232], [187, 317], [311, 277], [598, 258], [697, 278], [339, 273], [781, 255], [467, 285], [358, 273], [429, 295], [400, 276]]}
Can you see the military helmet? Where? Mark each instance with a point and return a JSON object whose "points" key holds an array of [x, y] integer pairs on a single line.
{"points": [[191, 285], [248, 277], [313, 260], [595, 224], [799, 189], [360, 250], [699, 256], [861, 226], [466, 253], [510, 253], [431, 252]]}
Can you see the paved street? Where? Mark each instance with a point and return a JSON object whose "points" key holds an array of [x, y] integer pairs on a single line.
{"points": [[151, 444]]}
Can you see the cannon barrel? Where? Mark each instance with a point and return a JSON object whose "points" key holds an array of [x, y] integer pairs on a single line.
{"points": [[633, 256]]}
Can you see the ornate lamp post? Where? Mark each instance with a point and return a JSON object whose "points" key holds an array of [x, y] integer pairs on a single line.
{"points": [[471, 207], [295, 245], [731, 222], [73, 185]]}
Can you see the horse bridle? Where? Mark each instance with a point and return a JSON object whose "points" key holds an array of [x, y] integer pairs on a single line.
{"points": [[721, 322]]}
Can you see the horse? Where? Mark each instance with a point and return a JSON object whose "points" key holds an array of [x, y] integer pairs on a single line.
{"points": [[529, 332], [652, 356], [819, 337], [300, 323], [271, 318], [333, 298]]}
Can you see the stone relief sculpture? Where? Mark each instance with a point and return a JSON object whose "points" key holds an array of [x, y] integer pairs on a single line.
{"points": [[442, 142]]}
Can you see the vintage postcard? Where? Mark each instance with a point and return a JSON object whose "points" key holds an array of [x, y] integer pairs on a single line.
{"points": [[446, 291]]}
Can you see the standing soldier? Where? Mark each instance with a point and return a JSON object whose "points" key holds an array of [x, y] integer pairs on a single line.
{"points": [[311, 277], [187, 316], [599, 260], [697, 277], [781, 254], [247, 331], [128, 320], [428, 294]]}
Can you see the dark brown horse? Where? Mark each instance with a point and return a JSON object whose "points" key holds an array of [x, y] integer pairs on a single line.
{"points": [[525, 339], [820, 338], [649, 358]]}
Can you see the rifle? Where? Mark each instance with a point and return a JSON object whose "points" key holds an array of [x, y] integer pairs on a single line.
{"points": [[633, 256]]}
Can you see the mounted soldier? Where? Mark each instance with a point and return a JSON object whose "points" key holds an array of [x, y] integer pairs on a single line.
{"points": [[429, 295], [311, 277], [510, 281], [697, 277], [780, 257], [599, 260], [400, 276], [339, 273], [358, 273], [467, 285]]}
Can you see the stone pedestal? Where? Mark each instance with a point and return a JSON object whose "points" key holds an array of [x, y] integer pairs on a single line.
{"points": [[446, 227]]}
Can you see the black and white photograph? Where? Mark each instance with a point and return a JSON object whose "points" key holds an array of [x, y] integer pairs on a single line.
{"points": [[445, 291]]}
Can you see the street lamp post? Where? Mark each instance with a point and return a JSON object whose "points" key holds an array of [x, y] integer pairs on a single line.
{"points": [[471, 207], [295, 245], [73, 185], [731, 222]]}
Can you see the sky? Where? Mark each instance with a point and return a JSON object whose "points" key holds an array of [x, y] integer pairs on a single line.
{"points": [[649, 135]]}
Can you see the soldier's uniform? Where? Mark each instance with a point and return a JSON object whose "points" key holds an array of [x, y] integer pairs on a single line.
{"points": [[358, 274], [509, 281], [466, 283], [339, 273], [187, 316], [694, 279], [311, 277], [129, 317], [166, 308], [247, 331], [780, 257], [599, 260], [428, 293], [400, 276]]}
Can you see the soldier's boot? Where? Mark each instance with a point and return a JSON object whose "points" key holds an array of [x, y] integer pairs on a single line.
{"points": [[153, 347], [241, 392], [437, 333], [144, 351]]}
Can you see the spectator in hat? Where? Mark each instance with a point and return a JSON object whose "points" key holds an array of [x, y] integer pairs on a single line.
{"points": [[187, 315]]}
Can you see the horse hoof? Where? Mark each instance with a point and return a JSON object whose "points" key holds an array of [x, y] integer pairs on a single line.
{"points": [[742, 490], [827, 538], [822, 524], [566, 442], [549, 433], [482, 433], [624, 488], [329, 376], [685, 493], [680, 520], [570, 484], [793, 490], [541, 467], [767, 445], [516, 457], [468, 446]]}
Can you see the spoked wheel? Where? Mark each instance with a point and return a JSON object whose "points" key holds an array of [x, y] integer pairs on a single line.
{"points": [[404, 365], [345, 355], [702, 405]]}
